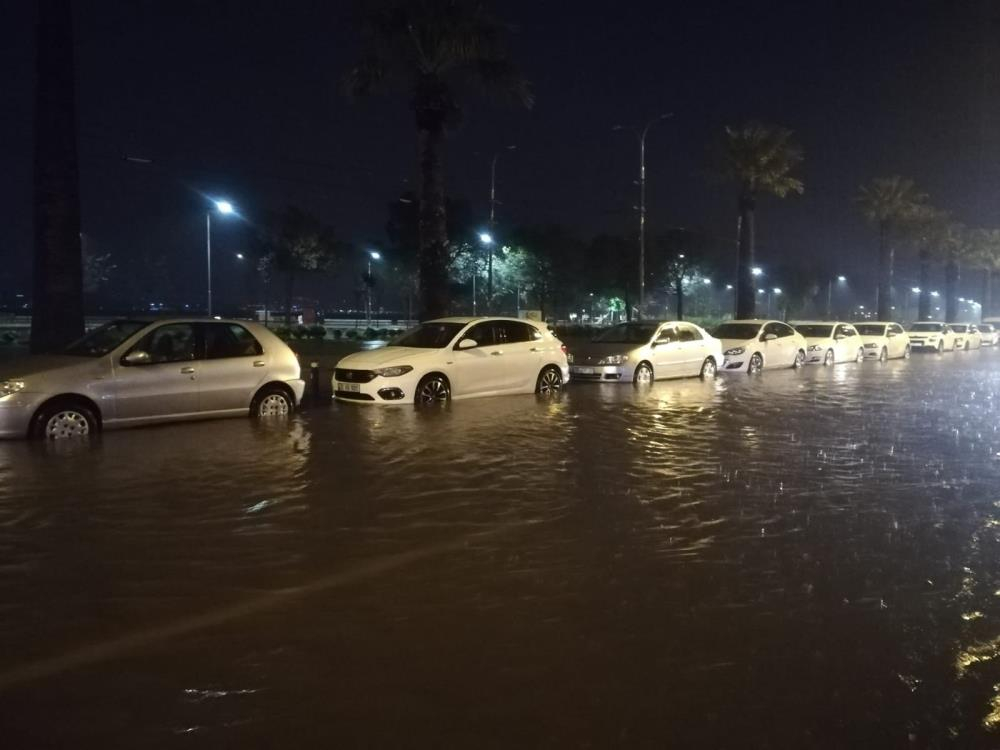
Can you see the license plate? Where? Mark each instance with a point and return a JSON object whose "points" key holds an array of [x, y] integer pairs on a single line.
{"points": [[586, 370], [349, 387]]}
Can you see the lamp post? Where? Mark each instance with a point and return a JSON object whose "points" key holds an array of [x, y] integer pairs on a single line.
{"points": [[369, 283], [493, 208], [829, 295], [487, 239], [641, 135], [224, 208]]}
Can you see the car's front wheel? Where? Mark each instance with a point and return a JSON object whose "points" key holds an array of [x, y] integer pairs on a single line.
{"points": [[800, 359], [829, 358], [756, 364], [883, 355], [708, 369], [907, 352], [643, 374], [433, 389], [550, 380], [272, 401], [64, 419]]}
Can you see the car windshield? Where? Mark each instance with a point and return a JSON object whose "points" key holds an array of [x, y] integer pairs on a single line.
{"points": [[740, 331], [871, 330], [105, 338], [428, 336], [957, 328], [628, 333], [986, 328], [815, 332], [930, 327]]}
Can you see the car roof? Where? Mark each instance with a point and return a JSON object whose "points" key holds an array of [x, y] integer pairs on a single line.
{"points": [[821, 323], [755, 321], [464, 320]]}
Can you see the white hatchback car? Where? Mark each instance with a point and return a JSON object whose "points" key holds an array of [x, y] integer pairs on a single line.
{"points": [[644, 351], [455, 358], [989, 333], [884, 341], [932, 335], [967, 336], [831, 342], [754, 345]]}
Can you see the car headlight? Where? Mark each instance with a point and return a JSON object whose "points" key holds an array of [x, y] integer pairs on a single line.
{"points": [[9, 387], [816, 348], [734, 351], [613, 359], [393, 372]]}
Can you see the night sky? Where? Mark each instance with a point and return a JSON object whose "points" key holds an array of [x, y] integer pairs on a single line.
{"points": [[242, 100]]}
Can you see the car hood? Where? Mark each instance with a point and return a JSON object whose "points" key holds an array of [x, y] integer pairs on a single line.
{"points": [[869, 338], [39, 366], [733, 343], [386, 356], [592, 351]]}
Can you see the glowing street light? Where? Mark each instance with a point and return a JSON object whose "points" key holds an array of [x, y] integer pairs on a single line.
{"points": [[915, 290], [729, 287], [757, 271], [842, 279], [706, 281], [486, 238], [369, 283], [225, 208], [935, 294]]}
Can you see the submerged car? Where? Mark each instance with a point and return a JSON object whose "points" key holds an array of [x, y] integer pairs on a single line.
{"points": [[967, 336], [932, 335], [134, 372], [831, 343], [755, 345], [989, 334], [884, 341], [455, 358], [645, 351]]}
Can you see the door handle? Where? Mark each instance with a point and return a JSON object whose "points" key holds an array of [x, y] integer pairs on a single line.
{"points": [[187, 371], [495, 354], [259, 363]]}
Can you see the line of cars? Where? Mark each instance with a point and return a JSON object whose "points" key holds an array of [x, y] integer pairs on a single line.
{"points": [[135, 372]]}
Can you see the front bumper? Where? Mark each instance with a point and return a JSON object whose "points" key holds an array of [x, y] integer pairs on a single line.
{"points": [[734, 362], [16, 412], [379, 390], [601, 373]]}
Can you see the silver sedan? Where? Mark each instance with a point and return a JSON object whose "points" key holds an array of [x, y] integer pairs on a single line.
{"points": [[133, 372]]}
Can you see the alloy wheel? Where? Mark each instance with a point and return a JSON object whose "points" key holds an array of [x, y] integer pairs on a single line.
{"points": [[549, 381], [708, 369], [643, 374], [906, 352], [828, 358], [67, 423], [800, 359], [883, 355], [860, 356], [273, 405], [433, 391], [756, 364]]}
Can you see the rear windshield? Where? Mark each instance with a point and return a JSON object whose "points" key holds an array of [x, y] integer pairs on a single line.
{"points": [[815, 332], [105, 338], [870, 330], [739, 331], [927, 327]]}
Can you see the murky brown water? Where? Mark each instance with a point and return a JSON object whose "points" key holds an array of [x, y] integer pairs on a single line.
{"points": [[797, 560]]}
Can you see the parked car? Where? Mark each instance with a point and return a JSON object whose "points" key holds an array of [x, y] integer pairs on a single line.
{"points": [[932, 335], [645, 351], [455, 358], [755, 345], [989, 334], [884, 341], [133, 372], [831, 342], [967, 336]]}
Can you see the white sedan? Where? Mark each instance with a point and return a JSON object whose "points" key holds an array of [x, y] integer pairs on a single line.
{"points": [[884, 341], [830, 343], [644, 351], [455, 358], [753, 345]]}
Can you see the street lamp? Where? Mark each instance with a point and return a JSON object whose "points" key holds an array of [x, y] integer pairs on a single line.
{"points": [[487, 239], [775, 291], [369, 283], [757, 271], [641, 135], [224, 208], [829, 295], [493, 205]]}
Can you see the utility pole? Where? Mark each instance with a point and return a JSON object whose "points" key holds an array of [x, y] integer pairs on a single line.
{"points": [[493, 211]]}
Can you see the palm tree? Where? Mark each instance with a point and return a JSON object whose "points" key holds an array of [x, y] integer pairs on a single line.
{"points": [[888, 202], [987, 256], [956, 250], [926, 228], [431, 48], [57, 299], [759, 159]]}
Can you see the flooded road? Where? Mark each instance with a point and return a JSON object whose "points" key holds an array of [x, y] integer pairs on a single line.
{"points": [[797, 560]]}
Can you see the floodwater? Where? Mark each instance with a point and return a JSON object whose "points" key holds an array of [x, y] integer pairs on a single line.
{"points": [[797, 560]]}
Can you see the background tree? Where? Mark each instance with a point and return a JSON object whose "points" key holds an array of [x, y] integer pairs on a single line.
{"points": [[57, 298], [887, 202], [682, 273], [604, 273], [956, 249], [986, 255], [760, 159], [546, 261], [432, 47], [926, 228], [294, 243]]}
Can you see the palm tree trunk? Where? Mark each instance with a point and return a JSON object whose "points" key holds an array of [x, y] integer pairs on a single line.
{"points": [[986, 295], [886, 258], [433, 227], [57, 300], [951, 279], [289, 296], [924, 302], [680, 298], [746, 300]]}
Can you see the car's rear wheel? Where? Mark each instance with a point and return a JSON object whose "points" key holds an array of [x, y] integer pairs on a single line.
{"points": [[64, 420], [800, 359], [708, 369], [756, 364], [643, 374], [828, 358], [883, 355], [433, 389], [550, 380], [272, 401]]}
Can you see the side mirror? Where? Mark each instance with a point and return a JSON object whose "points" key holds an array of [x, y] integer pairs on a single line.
{"points": [[769, 337], [137, 357], [467, 344]]}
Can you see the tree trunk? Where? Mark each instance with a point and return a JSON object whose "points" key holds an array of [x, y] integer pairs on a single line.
{"points": [[746, 291], [951, 279], [986, 298], [57, 299], [289, 296], [431, 106], [924, 302], [886, 257], [680, 298]]}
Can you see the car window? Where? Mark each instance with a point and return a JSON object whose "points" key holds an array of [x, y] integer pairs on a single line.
{"points": [[223, 340], [511, 332], [782, 330], [174, 342], [481, 333], [667, 336], [533, 333], [843, 330], [817, 331], [687, 333]]}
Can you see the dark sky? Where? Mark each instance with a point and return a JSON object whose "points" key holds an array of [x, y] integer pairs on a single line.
{"points": [[240, 99]]}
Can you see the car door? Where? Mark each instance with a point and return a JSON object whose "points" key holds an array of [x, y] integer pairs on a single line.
{"points": [[521, 359], [667, 353], [692, 345], [480, 369], [165, 384], [773, 348], [233, 368], [786, 338], [897, 340], [846, 342]]}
